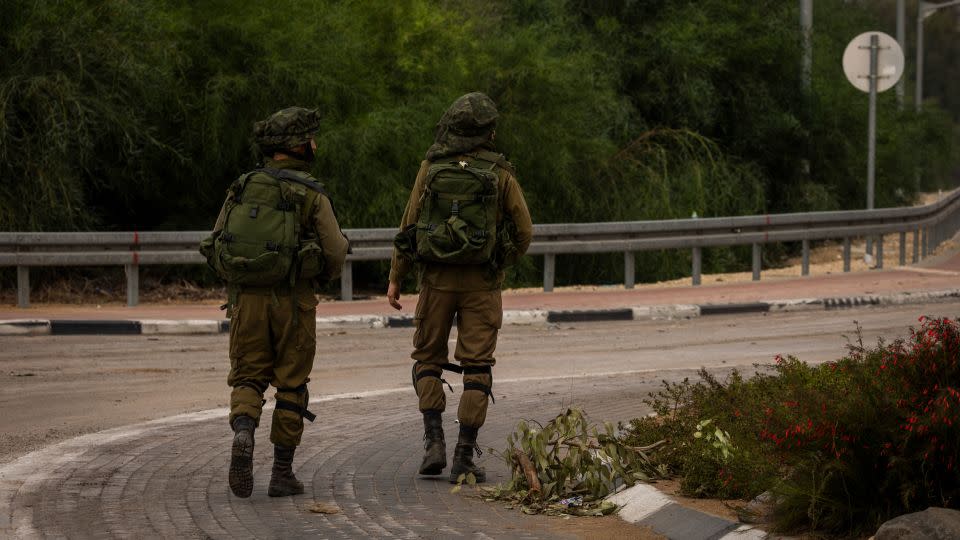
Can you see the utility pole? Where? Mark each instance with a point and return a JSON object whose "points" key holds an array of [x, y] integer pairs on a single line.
{"points": [[806, 31], [902, 41]]}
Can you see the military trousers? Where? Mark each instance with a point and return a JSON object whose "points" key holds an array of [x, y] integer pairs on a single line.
{"points": [[273, 342], [478, 316]]}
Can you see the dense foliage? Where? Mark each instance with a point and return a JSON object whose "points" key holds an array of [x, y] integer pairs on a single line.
{"points": [[843, 446], [134, 114]]}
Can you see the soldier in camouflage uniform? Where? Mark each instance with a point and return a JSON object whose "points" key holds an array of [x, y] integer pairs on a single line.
{"points": [[467, 293], [273, 328]]}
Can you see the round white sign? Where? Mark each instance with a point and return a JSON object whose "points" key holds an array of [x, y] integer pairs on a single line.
{"points": [[856, 61]]}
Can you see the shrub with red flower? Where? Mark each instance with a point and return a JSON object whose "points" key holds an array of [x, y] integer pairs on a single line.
{"points": [[844, 445]]}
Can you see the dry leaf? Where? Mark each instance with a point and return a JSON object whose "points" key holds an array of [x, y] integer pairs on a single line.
{"points": [[323, 508]]}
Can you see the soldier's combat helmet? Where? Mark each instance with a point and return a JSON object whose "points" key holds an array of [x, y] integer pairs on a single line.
{"points": [[286, 129], [465, 125]]}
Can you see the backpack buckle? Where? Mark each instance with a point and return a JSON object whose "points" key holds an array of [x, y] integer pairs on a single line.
{"points": [[455, 208]]}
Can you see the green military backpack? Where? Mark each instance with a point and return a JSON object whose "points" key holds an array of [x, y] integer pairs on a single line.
{"points": [[458, 219], [261, 243]]}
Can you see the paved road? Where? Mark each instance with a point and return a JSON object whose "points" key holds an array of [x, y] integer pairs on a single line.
{"points": [[167, 478]]}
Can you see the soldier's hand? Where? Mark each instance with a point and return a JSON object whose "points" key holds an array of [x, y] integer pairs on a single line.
{"points": [[393, 295]]}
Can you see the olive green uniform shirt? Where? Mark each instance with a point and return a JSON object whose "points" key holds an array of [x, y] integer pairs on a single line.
{"points": [[461, 277]]}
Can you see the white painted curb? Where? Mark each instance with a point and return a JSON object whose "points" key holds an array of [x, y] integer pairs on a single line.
{"points": [[643, 500], [24, 327], [524, 317], [358, 321], [639, 502], [797, 304], [676, 311]]}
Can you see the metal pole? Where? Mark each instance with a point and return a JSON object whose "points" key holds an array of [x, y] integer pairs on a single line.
{"points": [[23, 286], [629, 274], [697, 265], [902, 41], [903, 248], [880, 252], [806, 30], [846, 254], [132, 272], [918, 94], [916, 246], [756, 262], [549, 271], [346, 282], [805, 266], [872, 129]]}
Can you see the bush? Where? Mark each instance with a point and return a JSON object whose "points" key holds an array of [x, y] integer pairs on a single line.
{"points": [[844, 445]]}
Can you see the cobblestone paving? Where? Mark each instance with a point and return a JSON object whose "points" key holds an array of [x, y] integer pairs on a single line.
{"points": [[168, 478]]}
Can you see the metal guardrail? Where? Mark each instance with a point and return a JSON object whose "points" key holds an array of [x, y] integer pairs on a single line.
{"points": [[930, 225]]}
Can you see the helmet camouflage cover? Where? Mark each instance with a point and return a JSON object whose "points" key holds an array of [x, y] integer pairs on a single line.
{"points": [[465, 125], [287, 128]]}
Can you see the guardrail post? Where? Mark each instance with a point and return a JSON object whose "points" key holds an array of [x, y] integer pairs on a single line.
{"points": [[346, 282], [697, 265], [549, 271], [846, 254], [924, 233], [756, 262], [805, 264], [903, 248], [880, 251], [133, 284], [629, 270], [23, 286], [916, 246]]}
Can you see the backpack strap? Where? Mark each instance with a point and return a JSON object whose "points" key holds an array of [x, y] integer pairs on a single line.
{"points": [[494, 157], [285, 174]]}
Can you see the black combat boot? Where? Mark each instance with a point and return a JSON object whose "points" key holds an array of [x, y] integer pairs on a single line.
{"points": [[282, 480], [241, 457], [434, 447], [463, 456]]}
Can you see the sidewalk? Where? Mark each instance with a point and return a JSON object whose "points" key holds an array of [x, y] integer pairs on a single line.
{"points": [[935, 274]]}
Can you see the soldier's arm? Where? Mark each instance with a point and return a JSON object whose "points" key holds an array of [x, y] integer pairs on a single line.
{"points": [[330, 237], [399, 266], [515, 208]]}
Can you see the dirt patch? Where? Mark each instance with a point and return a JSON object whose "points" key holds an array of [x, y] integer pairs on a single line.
{"points": [[597, 528]]}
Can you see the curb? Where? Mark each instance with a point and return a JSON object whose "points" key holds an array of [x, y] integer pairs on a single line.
{"points": [[38, 327], [645, 505]]}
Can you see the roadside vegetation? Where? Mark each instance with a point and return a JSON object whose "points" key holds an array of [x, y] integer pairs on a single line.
{"points": [[135, 115], [837, 448]]}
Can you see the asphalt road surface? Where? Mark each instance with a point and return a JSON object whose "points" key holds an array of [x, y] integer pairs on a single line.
{"points": [[168, 477]]}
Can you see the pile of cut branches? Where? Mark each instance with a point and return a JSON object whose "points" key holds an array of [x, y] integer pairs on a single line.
{"points": [[569, 465]]}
